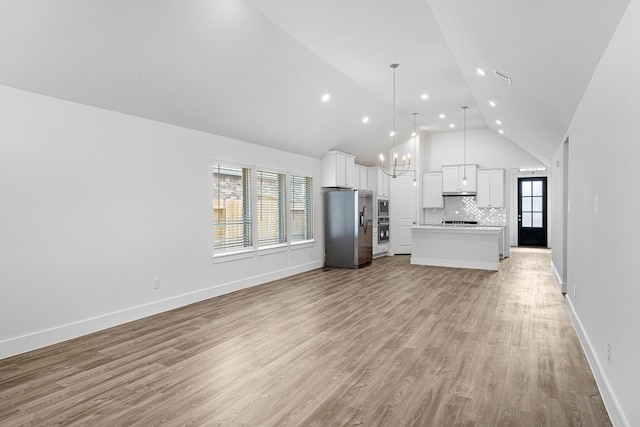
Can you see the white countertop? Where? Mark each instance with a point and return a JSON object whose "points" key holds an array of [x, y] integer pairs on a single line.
{"points": [[460, 227]]}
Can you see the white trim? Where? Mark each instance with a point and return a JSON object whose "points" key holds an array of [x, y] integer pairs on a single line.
{"points": [[22, 344], [233, 256], [562, 285], [301, 244], [608, 396], [272, 249]]}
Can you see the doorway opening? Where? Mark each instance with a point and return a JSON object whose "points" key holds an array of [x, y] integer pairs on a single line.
{"points": [[532, 212]]}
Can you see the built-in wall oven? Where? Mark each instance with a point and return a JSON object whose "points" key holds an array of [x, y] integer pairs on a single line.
{"points": [[383, 220]]}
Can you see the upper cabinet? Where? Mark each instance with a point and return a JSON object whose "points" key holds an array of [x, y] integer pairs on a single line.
{"points": [[383, 184], [490, 188], [361, 173], [452, 177], [338, 170], [378, 182], [432, 190]]}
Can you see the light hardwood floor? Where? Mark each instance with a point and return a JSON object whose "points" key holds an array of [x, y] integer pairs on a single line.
{"points": [[390, 344]]}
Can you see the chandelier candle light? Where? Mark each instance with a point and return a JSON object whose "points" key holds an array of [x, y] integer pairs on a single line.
{"points": [[394, 170]]}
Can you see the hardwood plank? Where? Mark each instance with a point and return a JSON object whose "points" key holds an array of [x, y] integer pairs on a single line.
{"points": [[391, 344]]}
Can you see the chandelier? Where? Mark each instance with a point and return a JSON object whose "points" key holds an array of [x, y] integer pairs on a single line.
{"points": [[395, 169]]}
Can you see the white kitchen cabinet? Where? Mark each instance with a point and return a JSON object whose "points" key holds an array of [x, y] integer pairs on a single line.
{"points": [[378, 248], [337, 170], [363, 179], [378, 182], [349, 170], [383, 184], [490, 192], [432, 190], [452, 177]]}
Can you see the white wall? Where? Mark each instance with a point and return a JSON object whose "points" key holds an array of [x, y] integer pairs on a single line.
{"points": [[485, 148], [602, 265], [97, 204], [558, 216]]}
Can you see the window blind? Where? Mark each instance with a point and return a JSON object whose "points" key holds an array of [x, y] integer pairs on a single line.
{"points": [[231, 208], [271, 191], [301, 208]]}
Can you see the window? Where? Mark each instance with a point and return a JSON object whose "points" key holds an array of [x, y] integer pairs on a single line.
{"points": [[271, 211], [532, 197], [231, 208], [301, 208]]}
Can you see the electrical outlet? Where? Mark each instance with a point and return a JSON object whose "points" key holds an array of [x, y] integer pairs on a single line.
{"points": [[608, 351], [574, 291], [596, 203], [156, 283]]}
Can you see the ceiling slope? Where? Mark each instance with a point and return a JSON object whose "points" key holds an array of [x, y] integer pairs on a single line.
{"points": [[549, 49], [255, 70]]}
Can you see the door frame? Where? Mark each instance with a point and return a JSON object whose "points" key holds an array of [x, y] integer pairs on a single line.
{"points": [[514, 174], [544, 235]]}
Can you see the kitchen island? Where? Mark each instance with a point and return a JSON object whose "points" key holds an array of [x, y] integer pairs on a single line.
{"points": [[460, 246]]}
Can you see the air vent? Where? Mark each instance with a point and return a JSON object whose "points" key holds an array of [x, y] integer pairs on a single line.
{"points": [[502, 77]]}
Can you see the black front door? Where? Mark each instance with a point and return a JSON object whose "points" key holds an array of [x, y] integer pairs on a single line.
{"points": [[532, 212]]}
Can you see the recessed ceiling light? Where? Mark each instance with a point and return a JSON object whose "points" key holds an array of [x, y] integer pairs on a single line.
{"points": [[392, 134], [424, 96], [452, 125], [492, 103], [501, 132], [481, 72], [365, 119], [499, 122], [442, 116], [326, 97]]}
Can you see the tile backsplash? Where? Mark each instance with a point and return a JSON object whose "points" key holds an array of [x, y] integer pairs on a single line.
{"points": [[465, 208]]}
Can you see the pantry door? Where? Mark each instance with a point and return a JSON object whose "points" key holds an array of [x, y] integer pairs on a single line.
{"points": [[403, 213]]}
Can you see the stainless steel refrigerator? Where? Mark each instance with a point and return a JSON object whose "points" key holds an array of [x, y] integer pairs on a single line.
{"points": [[348, 227]]}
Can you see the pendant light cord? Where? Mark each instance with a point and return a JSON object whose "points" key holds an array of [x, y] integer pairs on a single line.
{"points": [[464, 146], [464, 149], [415, 182], [394, 66]]}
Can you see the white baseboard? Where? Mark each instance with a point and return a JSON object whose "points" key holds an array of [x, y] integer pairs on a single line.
{"points": [[562, 285], [25, 343], [608, 396]]}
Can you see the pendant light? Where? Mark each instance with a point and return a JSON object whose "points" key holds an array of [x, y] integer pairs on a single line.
{"points": [[414, 134], [394, 169], [464, 147]]}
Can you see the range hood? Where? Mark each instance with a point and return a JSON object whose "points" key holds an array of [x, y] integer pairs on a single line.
{"points": [[460, 193]]}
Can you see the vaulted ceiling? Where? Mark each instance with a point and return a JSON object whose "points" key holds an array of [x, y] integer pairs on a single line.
{"points": [[255, 70]]}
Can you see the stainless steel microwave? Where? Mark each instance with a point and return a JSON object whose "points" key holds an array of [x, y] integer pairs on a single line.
{"points": [[383, 208]]}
